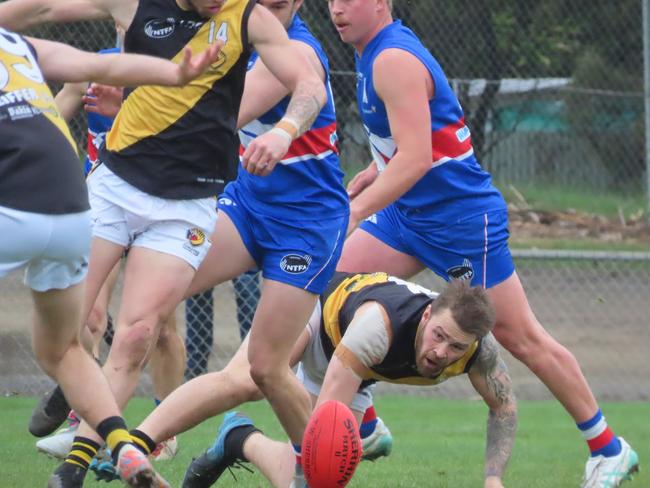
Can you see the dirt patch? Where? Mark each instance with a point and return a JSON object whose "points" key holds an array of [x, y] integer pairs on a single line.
{"points": [[529, 223]]}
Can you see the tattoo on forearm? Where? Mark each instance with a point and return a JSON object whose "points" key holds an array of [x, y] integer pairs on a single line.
{"points": [[304, 106], [502, 419], [501, 430]]}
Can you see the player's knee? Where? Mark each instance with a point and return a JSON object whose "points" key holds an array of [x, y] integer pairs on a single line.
{"points": [[241, 386], [97, 318], [524, 343], [50, 357], [134, 341], [264, 375]]}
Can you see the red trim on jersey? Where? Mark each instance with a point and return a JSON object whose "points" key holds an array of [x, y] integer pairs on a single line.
{"points": [[446, 144]]}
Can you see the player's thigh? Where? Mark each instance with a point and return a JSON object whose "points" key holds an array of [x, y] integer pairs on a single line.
{"points": [[227, 258], [57, 320], [377, 245], [154, 284], [281, 316]]}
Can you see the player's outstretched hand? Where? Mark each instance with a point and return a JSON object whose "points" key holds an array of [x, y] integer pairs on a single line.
{"points": [[192, 66], [103, 99], [493, 482], [264, 152]]}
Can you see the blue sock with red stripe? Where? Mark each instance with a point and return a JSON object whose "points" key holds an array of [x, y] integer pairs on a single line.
{"points": [[368, 423], [600, 438]]}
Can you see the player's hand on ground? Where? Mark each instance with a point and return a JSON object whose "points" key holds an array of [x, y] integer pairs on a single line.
{"points": [[362, 180], [493, 482], [103, 100], [263, 153], [192, 65]]}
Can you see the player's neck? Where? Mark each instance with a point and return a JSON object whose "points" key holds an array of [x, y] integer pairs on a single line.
{"points": [[361, 45]]}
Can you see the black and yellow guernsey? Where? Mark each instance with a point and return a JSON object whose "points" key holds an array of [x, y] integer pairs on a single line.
{"points": [[181, 142], [404, 303], [40, 171]]}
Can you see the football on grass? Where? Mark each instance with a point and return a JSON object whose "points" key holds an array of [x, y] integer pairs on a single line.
{"points": [[331, 446]]}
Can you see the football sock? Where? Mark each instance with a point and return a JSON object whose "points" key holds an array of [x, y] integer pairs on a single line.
{"points": [[600, 438], [234, 442], [297, 450], [113, 431], [368, 423], [142, 441], [83, 450]]}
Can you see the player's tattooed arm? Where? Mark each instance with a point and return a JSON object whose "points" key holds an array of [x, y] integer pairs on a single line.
{"points": [[491, 379], [305, 105]]}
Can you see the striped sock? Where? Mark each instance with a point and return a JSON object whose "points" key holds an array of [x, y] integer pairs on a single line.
{"points": [[83, 451], [297, 450], [142, 441], [368, 423], [600, 438], [113, 431]]}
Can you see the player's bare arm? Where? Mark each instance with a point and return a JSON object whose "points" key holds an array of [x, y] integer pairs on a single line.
{"points": [[68, 99], [263, 90], [405, 86], [19, 15], [61, 62], [365, 343], [289, 65], [489, 376]]}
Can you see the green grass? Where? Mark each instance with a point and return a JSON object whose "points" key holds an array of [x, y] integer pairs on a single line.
{"points": [[560, 198], [438, 444]]}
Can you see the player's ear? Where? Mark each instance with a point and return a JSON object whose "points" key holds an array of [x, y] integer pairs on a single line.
{"points": [[426, 314]]}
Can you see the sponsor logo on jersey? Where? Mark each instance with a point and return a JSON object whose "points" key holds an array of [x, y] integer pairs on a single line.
{"points": [[195, 236], [160, 28], [295, 263], [462, 134], [463, 271]]}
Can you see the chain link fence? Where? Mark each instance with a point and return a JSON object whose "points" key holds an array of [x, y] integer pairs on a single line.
{"points": [[553, 94]]}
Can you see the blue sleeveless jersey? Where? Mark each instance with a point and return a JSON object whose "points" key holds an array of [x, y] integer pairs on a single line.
{"points": [[456, 186], [308, 182], [98, 126]]}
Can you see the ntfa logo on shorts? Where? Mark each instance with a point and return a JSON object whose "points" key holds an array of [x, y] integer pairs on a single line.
{"points": [[295, 263], [195, 236], [463, 271]]}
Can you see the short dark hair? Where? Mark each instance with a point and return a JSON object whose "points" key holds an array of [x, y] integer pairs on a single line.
{"points": [[470, 307]]}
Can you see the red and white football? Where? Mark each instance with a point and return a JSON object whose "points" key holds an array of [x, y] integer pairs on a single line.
{"points": [[331, 446]]}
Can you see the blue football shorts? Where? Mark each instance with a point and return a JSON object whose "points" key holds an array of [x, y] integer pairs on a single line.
{"points": [[301, 253], [473, 247]]}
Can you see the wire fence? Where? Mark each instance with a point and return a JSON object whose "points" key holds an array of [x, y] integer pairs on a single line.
{"points": [[596, 304], [553, 94]]}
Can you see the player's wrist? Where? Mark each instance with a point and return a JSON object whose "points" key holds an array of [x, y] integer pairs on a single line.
{"points": [[286, 128]]}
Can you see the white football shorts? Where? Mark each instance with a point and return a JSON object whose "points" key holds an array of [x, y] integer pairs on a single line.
{"points": [[54, 248], [129, 217]]}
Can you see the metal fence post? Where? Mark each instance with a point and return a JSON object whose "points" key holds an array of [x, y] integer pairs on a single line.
{"points": [[646, 97]]}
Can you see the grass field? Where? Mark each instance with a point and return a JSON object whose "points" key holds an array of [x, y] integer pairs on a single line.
{"points": [[438, 444]]}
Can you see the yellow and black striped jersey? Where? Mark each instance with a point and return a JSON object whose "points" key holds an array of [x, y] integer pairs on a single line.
{"points": [[40, 170], [404, 302], [181, 142]]}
